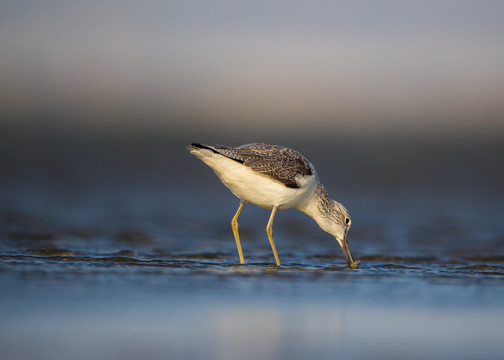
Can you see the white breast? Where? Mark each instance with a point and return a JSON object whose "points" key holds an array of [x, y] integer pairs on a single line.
{"points": [[256, 188]]}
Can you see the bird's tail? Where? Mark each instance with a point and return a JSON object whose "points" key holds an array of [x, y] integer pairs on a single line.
{"points": [[195, 146], [200, 150]]}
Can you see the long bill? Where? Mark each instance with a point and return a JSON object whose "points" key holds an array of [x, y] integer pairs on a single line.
{"points": [[346, 251]]}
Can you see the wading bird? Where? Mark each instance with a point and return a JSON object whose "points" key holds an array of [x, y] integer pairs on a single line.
{"points": [[276, 178]]}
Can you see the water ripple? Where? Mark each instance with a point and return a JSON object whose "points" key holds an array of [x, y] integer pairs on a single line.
{"points": [[372, 265]]}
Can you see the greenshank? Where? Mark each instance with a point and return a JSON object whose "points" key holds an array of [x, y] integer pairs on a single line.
{"points": [[275, 178]]}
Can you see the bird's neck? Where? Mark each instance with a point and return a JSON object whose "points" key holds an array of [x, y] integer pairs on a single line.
{"points": [[316, 205]]}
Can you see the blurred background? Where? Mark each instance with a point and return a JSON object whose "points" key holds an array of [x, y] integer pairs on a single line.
{"points": [[339, 67], [394, 103], [398, 104]]}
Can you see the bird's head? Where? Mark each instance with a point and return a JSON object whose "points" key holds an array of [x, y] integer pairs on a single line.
{"points": [[337, 222]]}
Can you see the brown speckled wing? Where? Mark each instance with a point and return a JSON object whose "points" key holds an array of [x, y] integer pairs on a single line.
{"points": [[278, 162]]}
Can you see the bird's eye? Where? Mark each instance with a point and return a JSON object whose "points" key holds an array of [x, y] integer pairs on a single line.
{"points": [[348, 221]]}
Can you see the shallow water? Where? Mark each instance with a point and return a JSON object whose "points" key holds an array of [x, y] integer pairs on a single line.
{"points": [[61, 303], [122, 256]]}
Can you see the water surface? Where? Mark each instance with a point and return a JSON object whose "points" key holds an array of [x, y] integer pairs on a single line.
{"points": [[125, 251]]}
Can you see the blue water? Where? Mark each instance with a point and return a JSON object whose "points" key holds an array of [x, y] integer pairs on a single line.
{"points": [[123, 249]]}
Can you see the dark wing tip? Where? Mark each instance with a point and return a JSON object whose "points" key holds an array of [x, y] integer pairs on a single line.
{"points": [[201, 146], [219, 149]]}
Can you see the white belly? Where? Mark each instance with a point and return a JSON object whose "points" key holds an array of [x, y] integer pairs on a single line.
{"points": [[256, 188]]}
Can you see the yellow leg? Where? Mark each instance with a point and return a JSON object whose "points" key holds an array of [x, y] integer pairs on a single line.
{"points": [[234, 226], [269, 231]]}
